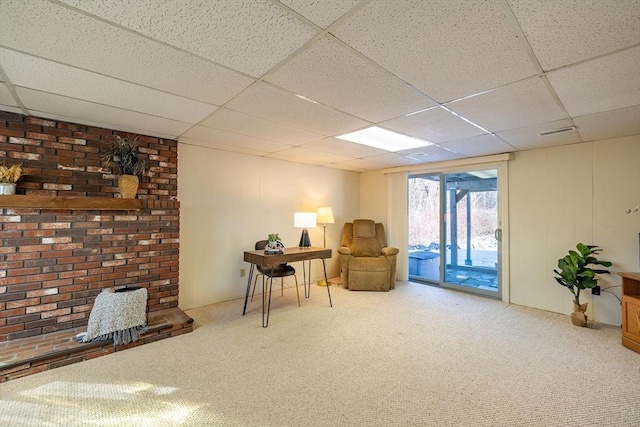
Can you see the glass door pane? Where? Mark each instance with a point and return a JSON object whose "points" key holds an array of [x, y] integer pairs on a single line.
{"points": [[424, 227], [470, 231]]}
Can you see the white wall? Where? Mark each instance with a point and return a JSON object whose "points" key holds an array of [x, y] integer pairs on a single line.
{"points": [[558, 197], [228, 201], [564, 195]]}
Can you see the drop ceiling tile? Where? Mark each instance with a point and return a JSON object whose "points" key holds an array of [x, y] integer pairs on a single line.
{"points": [[344, 148], [565, 32], [529, 137], [304, 155], [482, 145], [431, 154], [233, 121], [219, 146], [517, 105], [76, 39], [434, 125], [58, 107], [6, 98], [322, 13], [39, 74], [393, 159], [357, 165], [333, 74], [448, 49], [609, 124], [248, 36], [203, 133], [606, 83], [266, 101]]}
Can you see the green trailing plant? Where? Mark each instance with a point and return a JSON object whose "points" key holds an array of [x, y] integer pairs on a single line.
{"points": [[274, 237], [124, 155], [574, 271]]}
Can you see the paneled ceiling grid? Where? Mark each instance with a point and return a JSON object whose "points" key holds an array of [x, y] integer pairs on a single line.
{"points": [[283, 78]]}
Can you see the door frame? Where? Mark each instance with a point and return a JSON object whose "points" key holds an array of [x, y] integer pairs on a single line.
{"points": [[503, 218]]}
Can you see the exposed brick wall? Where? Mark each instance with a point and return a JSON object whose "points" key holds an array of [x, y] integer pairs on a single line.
{"points": [[54, 262]]}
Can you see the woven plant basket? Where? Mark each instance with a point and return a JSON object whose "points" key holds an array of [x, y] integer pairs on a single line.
{"points": [[128, 186]]}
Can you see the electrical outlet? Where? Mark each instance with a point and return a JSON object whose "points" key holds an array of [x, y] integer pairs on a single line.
{"points": [[243, 272], [595, 290]]}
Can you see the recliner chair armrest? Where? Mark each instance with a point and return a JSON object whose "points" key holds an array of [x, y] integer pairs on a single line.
{"points": [[390, 251], [343, 250]]}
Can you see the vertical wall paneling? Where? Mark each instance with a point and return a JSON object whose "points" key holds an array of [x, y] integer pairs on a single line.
{"points": [[231, 200]]}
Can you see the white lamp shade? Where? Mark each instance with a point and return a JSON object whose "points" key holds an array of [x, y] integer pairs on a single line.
{"points": [[304, 219], [325, 215]]}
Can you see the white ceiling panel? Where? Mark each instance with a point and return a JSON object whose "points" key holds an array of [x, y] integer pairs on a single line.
{"points": [[600, 85], [519, 104], [274, 104], [28, 71], [568, 31], [482, 145], [249, 36], [434, 125], [72, 39], [304, 155], [233, 121], [219, 146], [446, 48], [357, 165], [285, 77], [322, 13], [55, 106], [610, 124], [393, 159], [529, 137], [203, 133], [344, 148], [333, 74], [6, 97], [432, 153]]}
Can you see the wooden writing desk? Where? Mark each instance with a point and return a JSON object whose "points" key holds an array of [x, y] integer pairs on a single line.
{"points": [[271, 260]]}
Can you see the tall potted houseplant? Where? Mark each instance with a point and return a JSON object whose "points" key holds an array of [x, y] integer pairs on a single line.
{"points": [[124, 155], [8, 177], [574, 273]]}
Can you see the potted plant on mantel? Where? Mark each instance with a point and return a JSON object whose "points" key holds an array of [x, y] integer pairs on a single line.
{"points": [[576, 275], [8, 177], [124, 155]]}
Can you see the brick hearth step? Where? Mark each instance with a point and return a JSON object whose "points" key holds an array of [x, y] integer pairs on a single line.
{"points": [[31, 355]]}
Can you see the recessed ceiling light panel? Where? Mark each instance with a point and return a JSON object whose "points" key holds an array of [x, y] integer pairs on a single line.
{"points": [[383, 139]]}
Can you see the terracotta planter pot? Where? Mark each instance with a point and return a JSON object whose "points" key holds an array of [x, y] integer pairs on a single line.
{"points": [[578, 317], [128, 186]]}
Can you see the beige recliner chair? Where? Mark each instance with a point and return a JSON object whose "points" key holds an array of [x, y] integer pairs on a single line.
{"points": [[367, 263]]}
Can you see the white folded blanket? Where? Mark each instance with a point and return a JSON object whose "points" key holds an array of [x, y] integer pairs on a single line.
{"points": [[117, 316]]}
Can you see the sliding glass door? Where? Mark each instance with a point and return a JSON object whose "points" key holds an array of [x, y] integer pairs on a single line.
{"points": [[454, 230]]}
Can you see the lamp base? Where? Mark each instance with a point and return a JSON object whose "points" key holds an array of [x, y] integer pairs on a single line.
{"points": [[305, 242]]}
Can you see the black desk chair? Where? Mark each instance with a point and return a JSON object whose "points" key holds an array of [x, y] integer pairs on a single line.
{"points": [[281, 271]]}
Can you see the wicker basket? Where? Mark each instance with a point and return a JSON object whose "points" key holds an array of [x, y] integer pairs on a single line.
{"points": [[128, 186]]}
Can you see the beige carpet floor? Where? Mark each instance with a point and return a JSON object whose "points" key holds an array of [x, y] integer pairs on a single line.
{"points": [[416, 356]]}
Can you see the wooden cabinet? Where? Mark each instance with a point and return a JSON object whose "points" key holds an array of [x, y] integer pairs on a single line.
{"points": [[631, 310]]}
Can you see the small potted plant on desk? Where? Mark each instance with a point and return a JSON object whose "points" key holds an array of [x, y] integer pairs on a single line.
{"points": [[124, 155], [8, 177], [274, 246], [576, 275]]}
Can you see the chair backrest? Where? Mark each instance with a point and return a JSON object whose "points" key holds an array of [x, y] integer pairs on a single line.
{"points": [[261, 244], [364, 237]]}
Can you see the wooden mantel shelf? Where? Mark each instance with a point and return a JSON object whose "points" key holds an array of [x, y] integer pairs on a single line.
{"points": [[66, 202]]}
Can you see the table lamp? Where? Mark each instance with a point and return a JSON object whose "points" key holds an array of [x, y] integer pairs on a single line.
{"points": [[304, 220], [325, 216]]}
